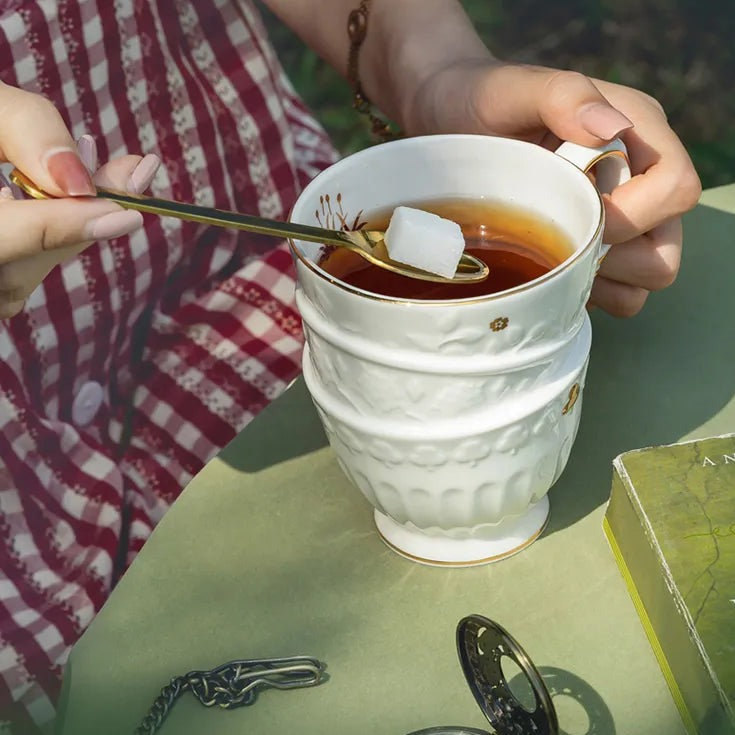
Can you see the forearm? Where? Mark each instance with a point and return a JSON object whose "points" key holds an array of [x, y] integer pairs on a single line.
{"points": [[408, 41]]}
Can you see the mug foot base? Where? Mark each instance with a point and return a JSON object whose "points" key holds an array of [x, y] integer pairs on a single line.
{"points": [[511, 537]]}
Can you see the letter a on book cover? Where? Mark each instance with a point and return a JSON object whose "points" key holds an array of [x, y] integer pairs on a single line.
{"points": [[671, 526]]}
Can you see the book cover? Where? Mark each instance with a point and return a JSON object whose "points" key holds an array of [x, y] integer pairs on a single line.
{"points": [[671, 526]]}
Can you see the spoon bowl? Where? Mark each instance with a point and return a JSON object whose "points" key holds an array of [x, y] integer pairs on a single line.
{"points": [[369, 244]]}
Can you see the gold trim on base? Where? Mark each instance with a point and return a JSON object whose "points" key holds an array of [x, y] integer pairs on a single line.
{"points": [[469, 563]]}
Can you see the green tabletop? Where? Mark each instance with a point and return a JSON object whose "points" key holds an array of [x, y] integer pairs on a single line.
{"points": [[271, 552]]}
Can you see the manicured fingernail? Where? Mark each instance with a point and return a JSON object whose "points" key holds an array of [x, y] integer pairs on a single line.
{"points": [[603, 121], [143, 174], [115, 224], [68, 172], [87, 148]]}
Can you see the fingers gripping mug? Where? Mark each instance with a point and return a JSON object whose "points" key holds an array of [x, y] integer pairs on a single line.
{"points": [[454, 416]]}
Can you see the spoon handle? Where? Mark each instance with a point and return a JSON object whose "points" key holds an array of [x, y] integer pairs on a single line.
{"points": [[365, 243], [204, 215]]}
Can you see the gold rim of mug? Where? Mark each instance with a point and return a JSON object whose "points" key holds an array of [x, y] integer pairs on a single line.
{"points": [[474, 299], [589, 168], [603, 155]]}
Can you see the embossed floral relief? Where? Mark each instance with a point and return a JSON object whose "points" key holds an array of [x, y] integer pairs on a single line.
{"points": [[384, 391], [434, 496]]}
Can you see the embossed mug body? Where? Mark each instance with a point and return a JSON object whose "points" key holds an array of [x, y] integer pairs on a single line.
{"points": [[464, 490], [429, 377]]}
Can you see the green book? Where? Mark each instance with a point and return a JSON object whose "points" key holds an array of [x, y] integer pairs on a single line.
{"points": [[671, 526]]}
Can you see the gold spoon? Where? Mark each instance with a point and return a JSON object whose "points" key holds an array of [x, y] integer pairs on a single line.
{"points": [[367, 243]]}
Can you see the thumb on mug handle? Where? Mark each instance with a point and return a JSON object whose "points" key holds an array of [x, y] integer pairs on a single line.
{"points": [[611, 160]]}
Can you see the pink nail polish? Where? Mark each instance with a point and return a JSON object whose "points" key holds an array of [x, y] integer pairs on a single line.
{"points": [[115, 224], [87, 148], [603, 121], [143, 174], [68, 172]]}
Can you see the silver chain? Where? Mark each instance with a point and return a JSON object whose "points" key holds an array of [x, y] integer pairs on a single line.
{"points": [[481, 644], [234, 684]]}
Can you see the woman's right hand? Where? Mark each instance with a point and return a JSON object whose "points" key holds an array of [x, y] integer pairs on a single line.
{"points": [[38, 235]]}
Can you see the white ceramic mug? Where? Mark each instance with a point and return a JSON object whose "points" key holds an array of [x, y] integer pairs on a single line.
{"points": [[377, 365]]}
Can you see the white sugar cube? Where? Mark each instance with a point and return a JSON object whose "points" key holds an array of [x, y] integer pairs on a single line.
{"points": [[424, 240]]}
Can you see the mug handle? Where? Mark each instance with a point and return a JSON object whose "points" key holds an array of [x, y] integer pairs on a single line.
{"points": [[613, 167]]}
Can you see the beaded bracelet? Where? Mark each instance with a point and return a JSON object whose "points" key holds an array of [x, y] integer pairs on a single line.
{"points": [[357, 23]]}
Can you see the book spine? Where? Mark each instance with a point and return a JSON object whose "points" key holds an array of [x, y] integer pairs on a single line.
{"points": [[638, 558]]}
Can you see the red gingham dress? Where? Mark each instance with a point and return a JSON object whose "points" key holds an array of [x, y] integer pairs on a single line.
{"points": [[184, 332]]}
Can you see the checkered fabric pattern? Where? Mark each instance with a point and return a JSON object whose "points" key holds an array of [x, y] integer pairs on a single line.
{"points": [[189, 331]]}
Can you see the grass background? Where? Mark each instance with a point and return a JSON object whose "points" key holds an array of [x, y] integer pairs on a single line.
{"points": [[680, 51]]}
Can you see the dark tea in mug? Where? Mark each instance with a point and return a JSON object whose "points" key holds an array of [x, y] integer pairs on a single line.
{"points": [[517, 245]]}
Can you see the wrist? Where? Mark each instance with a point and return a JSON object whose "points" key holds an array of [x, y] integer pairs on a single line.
{"points": [[410, 47], [447, 100]]}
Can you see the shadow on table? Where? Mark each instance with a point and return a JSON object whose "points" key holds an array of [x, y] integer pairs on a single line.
{"points": [[289, 428], [659, 376], [589, 714]]}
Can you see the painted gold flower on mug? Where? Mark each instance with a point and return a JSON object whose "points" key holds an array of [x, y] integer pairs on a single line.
{"points": [[573, 395], [336, 218]]}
